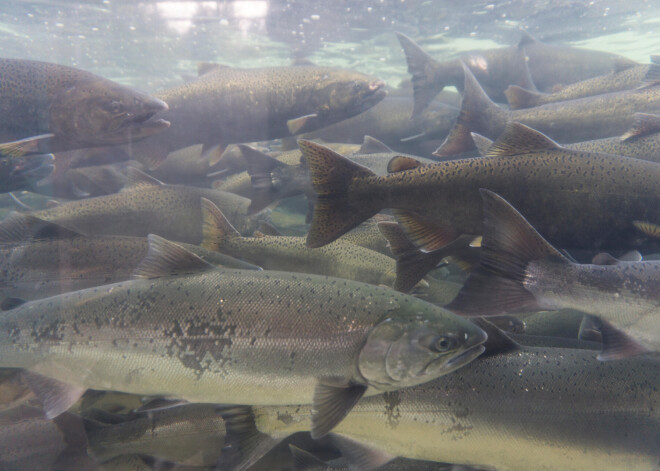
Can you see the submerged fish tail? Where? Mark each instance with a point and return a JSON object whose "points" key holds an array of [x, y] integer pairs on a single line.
{"points": [[336, 211], [478, 114], [426, 85], [509, 244]]}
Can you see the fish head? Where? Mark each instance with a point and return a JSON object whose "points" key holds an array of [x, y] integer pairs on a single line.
{"points": [[105, 113], [341, 94], [415, 346], [20, 172]]}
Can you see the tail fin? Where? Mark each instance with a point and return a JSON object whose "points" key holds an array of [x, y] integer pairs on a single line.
{"points": [[335, 212], [426, 84], [216, 229], [519, 97], [478, 114], [271, 179], [509, 244]]}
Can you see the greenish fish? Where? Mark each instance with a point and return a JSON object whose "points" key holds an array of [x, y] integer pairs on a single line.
{"points": [[516, 409], [529, 64], [69, 108], [42, 259], [227, 105], [145, 205], [579, 199], [629, 76], [521, 271], [185, 329], [606, 115]]}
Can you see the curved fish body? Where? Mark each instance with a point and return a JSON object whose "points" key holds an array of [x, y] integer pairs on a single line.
{"points": [[229, 105], [232, 336], [559, 409], [606, 115], [146, 206], [78, 108], [579, 200], [530, 64]]}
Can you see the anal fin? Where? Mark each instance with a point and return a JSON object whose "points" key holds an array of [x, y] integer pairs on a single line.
{"points": [[618, 345]]}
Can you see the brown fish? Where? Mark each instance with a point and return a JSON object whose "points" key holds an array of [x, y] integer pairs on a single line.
{"points": [[76, 109], [529, 64], [580, 200], [594, 117], [228, 105]]}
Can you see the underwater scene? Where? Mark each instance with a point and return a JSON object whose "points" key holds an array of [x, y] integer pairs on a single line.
{"points": [[296, 235]]}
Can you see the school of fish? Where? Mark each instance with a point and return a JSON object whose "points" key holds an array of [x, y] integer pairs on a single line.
{"points": [[302, 268]]}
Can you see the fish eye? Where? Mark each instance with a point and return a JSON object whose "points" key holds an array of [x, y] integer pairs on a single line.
{"points": [[116, 107], [443, 344]]}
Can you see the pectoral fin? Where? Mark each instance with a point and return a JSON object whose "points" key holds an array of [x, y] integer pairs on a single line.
{"points": [[57, 397], [332, 402]]}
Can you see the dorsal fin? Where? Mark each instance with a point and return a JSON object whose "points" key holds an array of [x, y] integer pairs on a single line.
{"points": [[623, 63], [520, 139], [371, 145], [482, 143], [648, 228], [526, 39], [498, 341], [401, 163], [29, 145], [216, 229], [166, 258], [643, 125], [19, 227], [652, 77], [206, 67], [138, 179]]}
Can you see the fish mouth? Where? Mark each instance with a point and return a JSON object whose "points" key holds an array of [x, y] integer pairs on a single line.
{"points": [[376, 92], [144, 124], [466, 357]]}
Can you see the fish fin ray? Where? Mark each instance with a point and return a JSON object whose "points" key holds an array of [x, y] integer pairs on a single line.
{"points": [[519, 97], [616, 344], [371, 145], [57, 397], [360, 457], [216, 229], [304, 460], [334, 212], [20, 227], [482, 143], [425, 85], [498, 341], [509, 244], [478, 114], [21, 147], [331, 403], [137, 179], [643, 125], [648, 228], [302, 124], [165, 258], [425, 234], [520, 139]]}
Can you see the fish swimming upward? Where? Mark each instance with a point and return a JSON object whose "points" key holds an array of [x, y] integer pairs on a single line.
{"points": [[521, 271]]}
